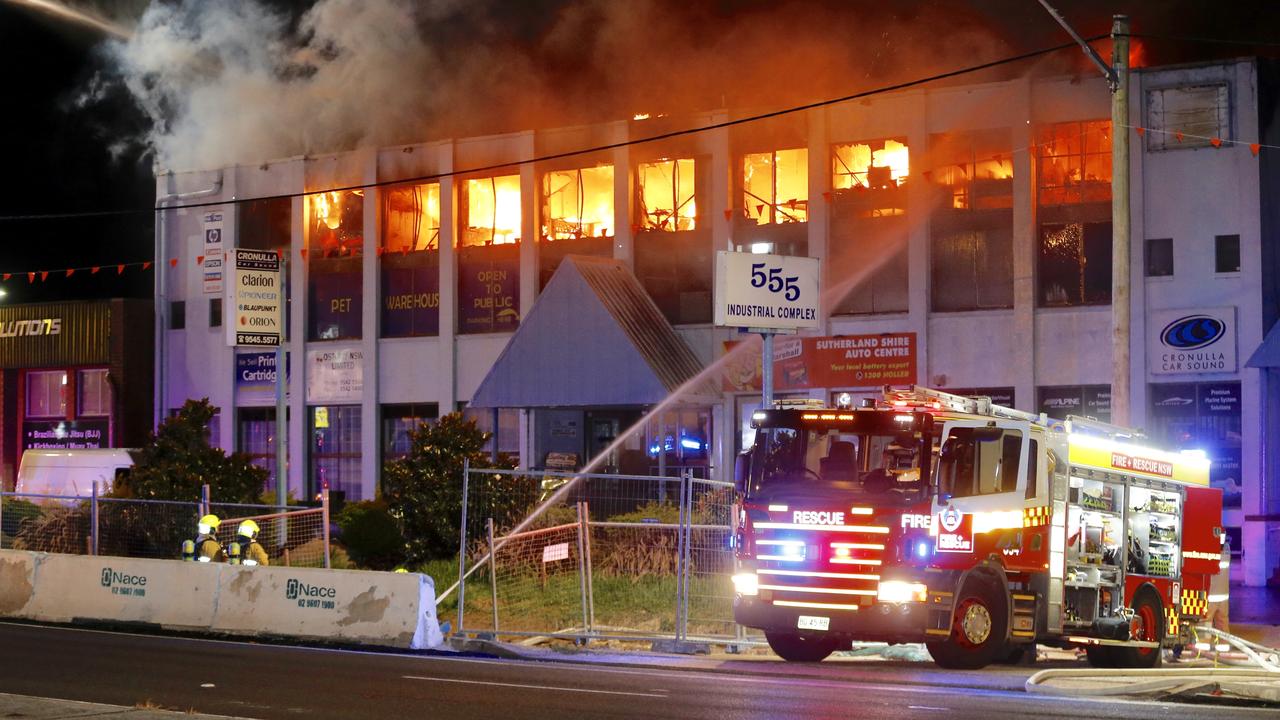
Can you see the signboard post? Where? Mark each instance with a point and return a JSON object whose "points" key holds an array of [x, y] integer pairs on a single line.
{"points": [[767, 294]]}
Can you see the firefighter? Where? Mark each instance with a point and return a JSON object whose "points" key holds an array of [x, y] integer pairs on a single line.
{"points": [[246, 550], [205, 548], [1220, 591]]}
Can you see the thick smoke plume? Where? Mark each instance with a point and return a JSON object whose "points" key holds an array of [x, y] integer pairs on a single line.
{"points": [[241, 81]]}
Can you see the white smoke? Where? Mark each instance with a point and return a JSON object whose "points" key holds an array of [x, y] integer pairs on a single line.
{"points": [[232, 82]]}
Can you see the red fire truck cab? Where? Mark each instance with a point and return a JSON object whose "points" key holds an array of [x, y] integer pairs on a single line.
{"points": [[977, 529]]}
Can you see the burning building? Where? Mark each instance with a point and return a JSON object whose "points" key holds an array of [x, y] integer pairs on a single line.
{"points": [[965, 230]]}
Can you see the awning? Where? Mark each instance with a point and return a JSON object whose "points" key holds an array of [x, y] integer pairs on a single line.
{"points": [[1268, 353], [593, 338]]}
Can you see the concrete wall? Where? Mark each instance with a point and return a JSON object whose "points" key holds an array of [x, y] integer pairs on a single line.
{"points": [[382, 609]]}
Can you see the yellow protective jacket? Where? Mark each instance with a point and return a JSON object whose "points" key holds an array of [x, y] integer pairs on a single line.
{"points": [[252, 551], [207, 546]]}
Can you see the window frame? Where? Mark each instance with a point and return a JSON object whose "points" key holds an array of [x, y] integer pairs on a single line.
{"points": [[1160, 137], [1217, 254], [1149, 258]]}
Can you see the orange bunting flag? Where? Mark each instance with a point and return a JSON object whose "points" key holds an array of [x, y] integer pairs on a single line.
{"points": [[379, 251], [279, 254], [927, 175], [635, 228], [199, 259], [1254, 148], [303, 253], [120, 269], [760, 209], [826, 195], [173, 262], [728, 214], [1216, 142], [145, 265], [94, 270], [71, 271], [1141, 131], [44, 275], [7, 276], [31, 277], [1178, 135]]}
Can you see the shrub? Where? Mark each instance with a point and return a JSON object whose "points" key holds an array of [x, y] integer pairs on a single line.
{"points": [[371, 535]]}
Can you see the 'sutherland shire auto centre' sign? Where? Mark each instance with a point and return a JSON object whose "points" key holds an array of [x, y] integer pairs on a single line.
{"points": [[253, 298], [766, 291]]}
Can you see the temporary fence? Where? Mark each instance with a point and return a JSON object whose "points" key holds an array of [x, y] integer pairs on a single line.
{"points": [[140, 528], [616, 556]]}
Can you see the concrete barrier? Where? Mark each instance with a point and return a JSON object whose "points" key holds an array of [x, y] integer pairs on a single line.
{"points": [[386, 609]]}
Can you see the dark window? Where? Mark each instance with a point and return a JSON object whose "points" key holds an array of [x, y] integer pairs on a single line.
{"points": [[335, 450], [1033, 469], [1226, 253], [400, 420], [215, 312], [1159, 257], [256, 438], [177, 315], [972, 269], [1074, 267], [265, 224]]}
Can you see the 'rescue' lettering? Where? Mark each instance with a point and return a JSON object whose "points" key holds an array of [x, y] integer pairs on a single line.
{"points": [[815, 517]]}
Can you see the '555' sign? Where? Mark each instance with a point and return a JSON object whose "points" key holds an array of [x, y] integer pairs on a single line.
{"points": [[766, 291]]}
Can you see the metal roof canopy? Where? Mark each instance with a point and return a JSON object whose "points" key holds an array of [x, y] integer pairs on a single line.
{"points": [[593, 338], [1268, 353]]}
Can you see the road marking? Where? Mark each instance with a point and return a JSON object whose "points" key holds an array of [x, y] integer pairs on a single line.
{"points": [[927, 707], [207, 685], [533, 687]]}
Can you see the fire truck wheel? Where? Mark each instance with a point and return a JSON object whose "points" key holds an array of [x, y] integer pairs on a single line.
{"points": [[801, 648], [1148, 624], [977, 631]]}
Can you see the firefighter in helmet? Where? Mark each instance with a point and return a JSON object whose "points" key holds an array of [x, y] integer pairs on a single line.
{"points": [[246, 550], [205, 547]]}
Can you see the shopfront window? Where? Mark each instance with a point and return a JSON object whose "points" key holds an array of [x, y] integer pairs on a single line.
{"points": [[335, 245], [94, 392], [1059, 401], [335, 450], [46, 394], [489, 255], [678, 441], [577, 216], [504, 436], [410, 263], [256, 438], [1203, 417]]}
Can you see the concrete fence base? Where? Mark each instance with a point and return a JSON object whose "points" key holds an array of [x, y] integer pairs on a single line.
{"points": [[372, 608]]}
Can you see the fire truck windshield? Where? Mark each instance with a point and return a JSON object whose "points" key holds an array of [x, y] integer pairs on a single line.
{"points": [[794, 463]]}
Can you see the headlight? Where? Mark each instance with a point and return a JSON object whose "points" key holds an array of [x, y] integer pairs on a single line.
{"points": [[897, 591], [746, 583]]}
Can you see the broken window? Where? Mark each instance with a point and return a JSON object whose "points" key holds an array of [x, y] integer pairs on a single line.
{"points": [[492, 209], [1074, 161], [1188, 117], [335, 242], [972, 267], [973, 170], [775, 187], [666, 195], [876, 169], [410, 263], [577, 203], [489, 255], [1075, 264], [577, 216]]}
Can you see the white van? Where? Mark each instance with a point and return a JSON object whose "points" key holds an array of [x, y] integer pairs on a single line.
{"points": [[71, 472]]}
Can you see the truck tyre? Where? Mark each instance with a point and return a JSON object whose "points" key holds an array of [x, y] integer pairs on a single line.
{"points": [[978, 630], [1148, 624], [801, 648]]}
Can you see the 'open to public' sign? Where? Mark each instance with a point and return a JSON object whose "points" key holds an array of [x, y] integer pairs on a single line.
{"points": [[766, 291]]}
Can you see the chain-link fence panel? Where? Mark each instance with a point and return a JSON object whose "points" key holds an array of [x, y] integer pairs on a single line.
{"points": [[709, 560], [45, 523], [145, 528], [294, 538], [535, 584]]}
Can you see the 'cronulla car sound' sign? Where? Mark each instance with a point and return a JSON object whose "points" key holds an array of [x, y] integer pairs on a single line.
{"points": [[1192, 341]]}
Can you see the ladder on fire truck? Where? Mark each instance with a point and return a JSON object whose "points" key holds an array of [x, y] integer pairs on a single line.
{"points": [[915, 395]]}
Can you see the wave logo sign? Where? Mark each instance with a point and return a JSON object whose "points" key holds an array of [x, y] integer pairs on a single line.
{"points": [[1192, 332]]}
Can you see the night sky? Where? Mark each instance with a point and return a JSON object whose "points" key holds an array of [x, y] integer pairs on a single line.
{"points": [[56, 156]]}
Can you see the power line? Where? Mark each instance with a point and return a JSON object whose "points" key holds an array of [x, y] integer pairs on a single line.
{"points": [[590, 150]]}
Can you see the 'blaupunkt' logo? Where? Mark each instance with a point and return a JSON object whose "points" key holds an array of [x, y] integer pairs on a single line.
{"points": [[1192, 331]]}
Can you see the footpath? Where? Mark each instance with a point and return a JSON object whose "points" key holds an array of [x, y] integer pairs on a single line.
{"points": [[22, 707]]}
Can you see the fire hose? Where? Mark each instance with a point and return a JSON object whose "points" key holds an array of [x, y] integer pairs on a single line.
{"points": [[1255, 675]]}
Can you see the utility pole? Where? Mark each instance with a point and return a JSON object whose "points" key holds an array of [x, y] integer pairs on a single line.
{"points": [[1117, 74]]}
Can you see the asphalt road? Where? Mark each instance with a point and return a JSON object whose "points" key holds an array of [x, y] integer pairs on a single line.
{"points": [[268, 682]]}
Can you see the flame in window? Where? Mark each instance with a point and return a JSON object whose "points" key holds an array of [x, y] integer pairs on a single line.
{"points": [[411, 218], [870, 165], [337, 220], [577, 203], [775, 186], [493, 211], [666, 189]]}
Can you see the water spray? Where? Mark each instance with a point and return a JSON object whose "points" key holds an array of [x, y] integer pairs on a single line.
{"points": [[79, 17]]}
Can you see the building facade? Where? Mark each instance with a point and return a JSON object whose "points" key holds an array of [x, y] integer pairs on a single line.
{"points": [[73, 375], [965, 234]]}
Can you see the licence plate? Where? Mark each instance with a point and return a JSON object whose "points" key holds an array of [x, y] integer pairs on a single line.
{"points": [[810, 622]]}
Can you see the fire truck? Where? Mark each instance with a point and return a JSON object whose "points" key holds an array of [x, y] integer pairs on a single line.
{"points": [[977, 529]]}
